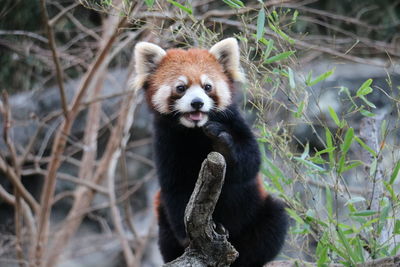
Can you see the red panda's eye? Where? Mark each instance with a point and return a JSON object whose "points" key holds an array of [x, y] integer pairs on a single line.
{"points": [[180, 89], [207, 87]]}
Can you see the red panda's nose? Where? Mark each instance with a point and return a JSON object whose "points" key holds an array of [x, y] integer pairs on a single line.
{"points": [[197, 103]]}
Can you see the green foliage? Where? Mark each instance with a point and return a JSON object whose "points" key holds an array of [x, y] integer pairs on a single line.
{"points": [[327, 208], [234, 3], [180, 6]]}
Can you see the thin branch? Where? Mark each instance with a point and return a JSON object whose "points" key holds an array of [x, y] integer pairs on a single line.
{"points": [[17, 168], [52, 43], [370, 133], [302, 44], [116, 215], [25, 33], [15, 181], [54, 20]]}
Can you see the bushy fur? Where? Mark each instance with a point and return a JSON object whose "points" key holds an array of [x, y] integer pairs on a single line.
{"points": [[256, 222]]}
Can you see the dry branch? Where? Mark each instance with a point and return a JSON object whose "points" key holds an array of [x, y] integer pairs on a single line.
{"points": [[370, 133], [207, 246], [56, 59], [60, 143], [393, 261]]}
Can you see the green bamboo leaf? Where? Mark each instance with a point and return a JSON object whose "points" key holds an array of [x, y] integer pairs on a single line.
{"points": [[270, 46], [384, 214], [329, 203], [295, 15], [352, 165], [367, 113], [389, 189], [322, 256], [395, 250], [348, 139], [334, 117], [180, 6], [149, 3], [365, 88], [345, 242], [305, 152], [310, 164], [234, 3], [329, 146], [320, 78], [396, 230], [309, 76], [365, 146], [299, 111], [395, 173], [372, 105], [294, 216], [292, 83], [260, 24], [359, 249], [326, 150], [355, 200], [363, 213], [279, 57], [373, 166], [238, 2]]}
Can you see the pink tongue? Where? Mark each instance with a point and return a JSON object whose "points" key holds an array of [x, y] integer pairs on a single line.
{"points": [[196, 116]]}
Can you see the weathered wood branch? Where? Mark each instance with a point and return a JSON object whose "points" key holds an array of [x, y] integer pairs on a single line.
{"points": [[393, 261], [369, 132], [209, 244]]}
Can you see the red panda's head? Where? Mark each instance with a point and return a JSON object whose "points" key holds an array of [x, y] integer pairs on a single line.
{"points": [[188, 83]]}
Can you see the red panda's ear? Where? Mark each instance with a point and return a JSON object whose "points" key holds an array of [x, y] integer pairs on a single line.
{"points": [[147, 58], [227, 53]]}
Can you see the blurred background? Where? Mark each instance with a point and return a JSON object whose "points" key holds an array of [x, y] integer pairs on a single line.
{"points": [[77, 178]]}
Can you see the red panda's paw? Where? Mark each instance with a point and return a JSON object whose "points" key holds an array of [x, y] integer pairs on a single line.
{"points": [[218, 134], [221, 138]]}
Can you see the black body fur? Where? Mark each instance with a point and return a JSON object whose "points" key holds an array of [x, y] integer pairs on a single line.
{"points": [[256, 224]]}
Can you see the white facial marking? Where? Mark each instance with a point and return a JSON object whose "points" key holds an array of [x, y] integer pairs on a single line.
{"points": [[224, 94], [184, 103], [205, 80], [160, 99], [182, 80]]}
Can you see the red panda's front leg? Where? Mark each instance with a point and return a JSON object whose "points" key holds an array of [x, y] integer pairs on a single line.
{"points": [[170, 247], [221, 138]]}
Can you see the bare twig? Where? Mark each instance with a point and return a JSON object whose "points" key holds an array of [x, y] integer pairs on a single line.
{"points": [[116, 215], [52, 43], [393, 261], [370, 133], [54, 20], [25, 33], [17, 168], [302, 44]]}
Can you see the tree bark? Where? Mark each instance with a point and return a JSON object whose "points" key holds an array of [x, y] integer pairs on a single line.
{"points": [[209, 244]]}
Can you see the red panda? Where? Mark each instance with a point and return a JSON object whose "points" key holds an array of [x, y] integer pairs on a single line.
{"points": [[191, 93]]}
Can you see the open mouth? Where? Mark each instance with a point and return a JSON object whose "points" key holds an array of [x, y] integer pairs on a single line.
{"points": [[194, 116]]}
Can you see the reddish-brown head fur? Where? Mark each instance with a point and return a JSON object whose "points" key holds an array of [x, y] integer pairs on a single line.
{"points": [[188, 82], [190, 63]]}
